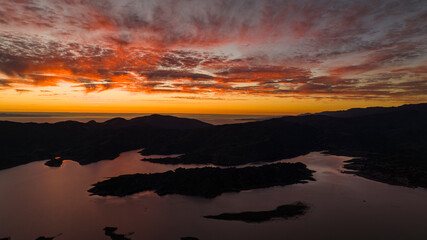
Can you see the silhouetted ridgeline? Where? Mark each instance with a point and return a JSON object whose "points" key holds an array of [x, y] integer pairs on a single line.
{"points": [[86, 142], [357, 112], [205, 182], [235, 144], [392, 141]]}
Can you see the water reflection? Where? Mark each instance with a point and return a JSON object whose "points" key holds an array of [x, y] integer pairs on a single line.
{"points": [[38, 200]]}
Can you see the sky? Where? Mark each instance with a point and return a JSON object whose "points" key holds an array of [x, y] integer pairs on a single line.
{"points": [[216, 56]]}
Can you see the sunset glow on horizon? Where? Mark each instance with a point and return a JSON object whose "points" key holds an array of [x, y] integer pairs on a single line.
{"points": [[216, 57]]}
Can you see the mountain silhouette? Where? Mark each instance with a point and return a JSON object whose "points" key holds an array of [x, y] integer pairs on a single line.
{"points": [[390, 142]]}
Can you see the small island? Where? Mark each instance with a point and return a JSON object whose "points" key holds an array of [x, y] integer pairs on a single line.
{"points": [[207, 182], [54, 162], [45, 238], [111, 232], [284, 211]]}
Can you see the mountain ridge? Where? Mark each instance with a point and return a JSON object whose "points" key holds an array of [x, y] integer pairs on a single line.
{"points": [[354, 112], [393, 141]]}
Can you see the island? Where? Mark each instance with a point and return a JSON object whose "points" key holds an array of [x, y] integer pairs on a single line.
{"points": [[54, 162], [45, 238], [207, 182], [284, 211], [111, 232]]}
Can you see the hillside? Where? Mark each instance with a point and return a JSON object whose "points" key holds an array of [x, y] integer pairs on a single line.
{"points": [[86, 142], [390, 142]]}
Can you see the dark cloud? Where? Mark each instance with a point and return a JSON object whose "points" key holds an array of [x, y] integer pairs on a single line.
{"points": [[418, 69], [174, 74], [5, 83], [22, 90], [198, 98]]}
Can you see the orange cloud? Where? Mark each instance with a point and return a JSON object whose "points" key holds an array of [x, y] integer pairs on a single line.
{"points": [[238, 47]]}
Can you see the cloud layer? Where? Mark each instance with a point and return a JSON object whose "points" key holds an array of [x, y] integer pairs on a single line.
{"points": [[305, 49]]}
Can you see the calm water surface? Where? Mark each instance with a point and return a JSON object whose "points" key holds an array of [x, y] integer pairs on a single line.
{"points": [[36, 200]]}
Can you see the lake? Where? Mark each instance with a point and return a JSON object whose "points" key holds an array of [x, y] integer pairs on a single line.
{"points": [[37, 200]]}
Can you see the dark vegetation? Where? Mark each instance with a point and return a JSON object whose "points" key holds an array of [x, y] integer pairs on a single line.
{"points": [[205, 182], [285, 212], [39, 238], [390, 169], [54, 162], [45, 238], [391, 143], [111, 232]]}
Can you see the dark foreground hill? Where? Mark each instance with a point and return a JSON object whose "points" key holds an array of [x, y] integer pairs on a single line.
{"points": [[391, 142], [86, 142]]}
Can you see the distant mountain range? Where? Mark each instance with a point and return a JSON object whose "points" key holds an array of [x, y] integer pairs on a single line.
{"points": [[157, 121], [393, 141], [357, 112]]}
